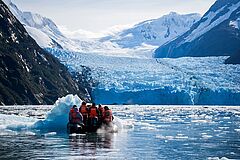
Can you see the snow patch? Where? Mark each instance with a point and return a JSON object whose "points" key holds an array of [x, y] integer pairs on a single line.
{"points": [[13, 36], [41, 38], [235, 24]]}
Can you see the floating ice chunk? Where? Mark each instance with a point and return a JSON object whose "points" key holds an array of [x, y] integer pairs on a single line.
{"points": [[57, 119], [11, 123], [217, 158], [206, 136], [50, 134]]}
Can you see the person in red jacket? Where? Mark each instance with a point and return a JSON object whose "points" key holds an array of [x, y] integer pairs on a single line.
{"points": [[84, 111], [100, 116], [93, 115], [107, 115], [75, 117]]}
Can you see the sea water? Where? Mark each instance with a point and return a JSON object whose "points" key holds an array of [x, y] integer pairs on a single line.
{"points": [[143, 132]]}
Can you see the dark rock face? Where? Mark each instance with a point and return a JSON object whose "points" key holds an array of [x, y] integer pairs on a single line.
{"points": [[218, 37], [28, 74], [234, 59]]}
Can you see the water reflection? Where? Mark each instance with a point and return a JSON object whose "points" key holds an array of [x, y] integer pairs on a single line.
{"points": [[89, 144]]}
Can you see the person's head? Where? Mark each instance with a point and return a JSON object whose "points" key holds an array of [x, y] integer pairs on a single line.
{"points": [[74, 106], [84, 103], [94, 104], [99, 106], [106, 108]]}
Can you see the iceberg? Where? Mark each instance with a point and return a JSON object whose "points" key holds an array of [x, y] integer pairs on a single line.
{"points": [[56, 120]]}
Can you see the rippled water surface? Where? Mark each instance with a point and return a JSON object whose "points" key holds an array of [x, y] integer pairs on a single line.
{"points": [[148, 132]]}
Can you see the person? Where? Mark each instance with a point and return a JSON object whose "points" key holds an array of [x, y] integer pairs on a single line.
{"points": [[75, 117], [93, 115], [100, 116], [107, 115], [84, 111]]}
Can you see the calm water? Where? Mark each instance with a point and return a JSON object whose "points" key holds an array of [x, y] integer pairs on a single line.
{"points": [[149, 132]]}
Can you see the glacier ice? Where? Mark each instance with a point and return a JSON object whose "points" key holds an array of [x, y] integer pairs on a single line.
{"points": [[128, 80]]}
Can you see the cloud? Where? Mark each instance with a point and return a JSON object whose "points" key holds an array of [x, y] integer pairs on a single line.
{"points": [[84, 34]]}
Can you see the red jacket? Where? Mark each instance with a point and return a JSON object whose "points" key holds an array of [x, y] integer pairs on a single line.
{"points": [[108, 116], [84, 110], [93, 112], [75, 116]]}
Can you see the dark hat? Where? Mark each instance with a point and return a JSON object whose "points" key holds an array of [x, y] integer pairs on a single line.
{"points": [[106, 108]]}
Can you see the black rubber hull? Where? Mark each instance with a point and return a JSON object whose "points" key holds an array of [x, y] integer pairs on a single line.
{"points": [[79, 129]]}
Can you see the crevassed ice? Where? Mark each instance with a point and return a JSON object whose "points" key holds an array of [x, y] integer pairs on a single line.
{"points": [[133, 74]]}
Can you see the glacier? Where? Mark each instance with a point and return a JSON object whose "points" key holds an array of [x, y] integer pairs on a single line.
{"points": [[131, 80]]}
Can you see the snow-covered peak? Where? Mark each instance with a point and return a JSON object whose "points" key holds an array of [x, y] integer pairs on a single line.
{"points": [[44, 31], [47, 34], [215, 34], [172, 18], [156, 31], [37, 21], [34, 20], [213, 17]]}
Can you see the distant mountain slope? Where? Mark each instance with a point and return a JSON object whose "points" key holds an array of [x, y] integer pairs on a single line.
{"points": [[139, 41], [42, 29], [217, 33], [46, 33], [156, 31], [28, 74]]}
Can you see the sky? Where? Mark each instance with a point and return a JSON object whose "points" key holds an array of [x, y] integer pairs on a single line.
{"points": [[101, 15]]}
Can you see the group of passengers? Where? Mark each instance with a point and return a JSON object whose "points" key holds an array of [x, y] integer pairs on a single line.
{"points": [[90, 115]]}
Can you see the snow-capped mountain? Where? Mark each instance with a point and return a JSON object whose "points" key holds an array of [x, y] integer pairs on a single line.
{"points": [[29, 74], [46, 33], [217, 33], [42, 29], [154, 32]]}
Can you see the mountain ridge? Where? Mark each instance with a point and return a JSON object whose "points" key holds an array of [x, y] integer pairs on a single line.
{"points": [[28, 74], [213, 35], [154, 31]]}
